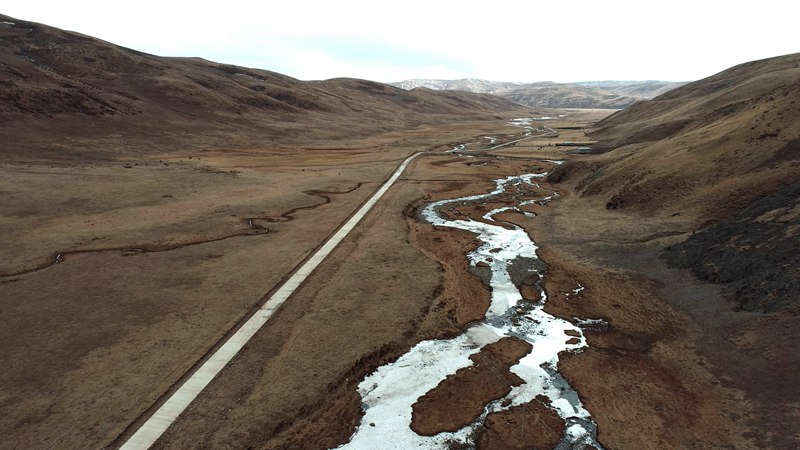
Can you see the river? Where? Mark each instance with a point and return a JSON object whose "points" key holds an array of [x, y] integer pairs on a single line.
{"points": [[389, 393]]}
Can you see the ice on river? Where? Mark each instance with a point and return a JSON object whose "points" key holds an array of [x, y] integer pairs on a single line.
{"points": [[389, 393]]}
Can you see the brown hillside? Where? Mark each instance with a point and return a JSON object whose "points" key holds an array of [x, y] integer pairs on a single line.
{"points": [[646, 89], [698, 203], [709, 146], [713, 152], [699, 103], [62, 89]]}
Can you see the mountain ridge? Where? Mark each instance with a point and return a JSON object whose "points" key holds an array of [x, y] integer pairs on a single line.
{"points": [[86, 91], [613, 94]]}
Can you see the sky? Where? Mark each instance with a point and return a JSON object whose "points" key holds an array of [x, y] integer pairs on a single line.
{"points": [[523, 41]]}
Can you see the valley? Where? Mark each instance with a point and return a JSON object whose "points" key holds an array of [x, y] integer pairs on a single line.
{"points": [[199, 255]]}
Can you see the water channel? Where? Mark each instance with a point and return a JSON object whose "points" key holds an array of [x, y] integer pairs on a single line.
{"points": [[389, 393]]}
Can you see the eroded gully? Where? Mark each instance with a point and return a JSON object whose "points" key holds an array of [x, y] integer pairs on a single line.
{"points": [[389, 393]]}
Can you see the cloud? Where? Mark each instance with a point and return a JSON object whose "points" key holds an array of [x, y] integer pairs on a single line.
{"points": [[336, 56]]}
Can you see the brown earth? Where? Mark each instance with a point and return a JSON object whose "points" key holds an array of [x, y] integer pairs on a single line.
{"points": [[523, 427], [677, 360], [460, 399]]}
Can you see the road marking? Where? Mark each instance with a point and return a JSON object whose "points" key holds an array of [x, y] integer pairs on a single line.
{"points": [[158, 423]]}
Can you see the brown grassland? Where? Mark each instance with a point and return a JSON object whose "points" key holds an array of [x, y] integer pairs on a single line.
{"points": [[149, 205]]}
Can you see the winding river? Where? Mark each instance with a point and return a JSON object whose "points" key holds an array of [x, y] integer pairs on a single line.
{"points": [[389, 393]]}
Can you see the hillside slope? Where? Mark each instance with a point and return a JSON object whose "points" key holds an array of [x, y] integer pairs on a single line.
{"points": [[645, 89], [698, 205], [714, 151], [569, 95], [61, 88]]}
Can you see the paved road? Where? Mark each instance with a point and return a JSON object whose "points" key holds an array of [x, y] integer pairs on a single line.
{"points": [[158, 423]]}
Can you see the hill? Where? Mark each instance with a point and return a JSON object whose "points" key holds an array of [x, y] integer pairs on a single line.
{"points": [[724, 152], [683, 231], [546, 94], [645, 89], [569, 95], [61, 87]]}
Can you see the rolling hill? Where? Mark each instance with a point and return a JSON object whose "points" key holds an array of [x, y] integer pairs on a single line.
{"points": [[63, 89], [697, 199], [725, 153]]}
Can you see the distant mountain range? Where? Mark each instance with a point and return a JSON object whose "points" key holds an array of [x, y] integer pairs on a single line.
{"points": [[546, 94]]}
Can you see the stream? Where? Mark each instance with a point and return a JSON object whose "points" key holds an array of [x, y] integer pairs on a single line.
{"points": [[389, 393]]}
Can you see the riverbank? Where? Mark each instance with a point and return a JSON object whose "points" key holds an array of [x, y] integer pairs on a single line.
{"points": [[412, 402], [678, 360]]}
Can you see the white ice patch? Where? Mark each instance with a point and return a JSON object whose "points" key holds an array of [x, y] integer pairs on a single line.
{"points": [[389, 393], [520, 122], [575, 291], [458, 148], [590, 322], [555, 161], [576, 432], [8, 23], [490, 215]]}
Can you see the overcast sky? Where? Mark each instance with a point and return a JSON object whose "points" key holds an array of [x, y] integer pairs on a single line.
{"points": [[524, 40]]}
